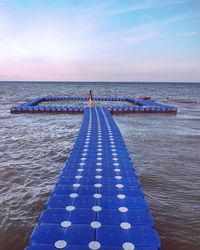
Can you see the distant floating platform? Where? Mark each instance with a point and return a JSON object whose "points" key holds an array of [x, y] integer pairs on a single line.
{"points": [[137, 105]]}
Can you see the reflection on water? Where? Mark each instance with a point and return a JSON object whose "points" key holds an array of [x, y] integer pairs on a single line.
{"points": [[165, 149]]}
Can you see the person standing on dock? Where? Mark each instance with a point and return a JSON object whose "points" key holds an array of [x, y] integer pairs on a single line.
{"points": [[90, 98]]}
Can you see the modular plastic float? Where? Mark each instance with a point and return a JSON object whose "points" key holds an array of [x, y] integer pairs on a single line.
{"points": [[98, 202], [143, 106]]}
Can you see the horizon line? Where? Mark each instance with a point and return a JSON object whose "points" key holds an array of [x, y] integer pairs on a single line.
{"points": [[90, 81]]}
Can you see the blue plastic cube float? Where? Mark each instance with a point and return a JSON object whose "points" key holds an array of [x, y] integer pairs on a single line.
{"points": [[97, 202], [143, 106]]}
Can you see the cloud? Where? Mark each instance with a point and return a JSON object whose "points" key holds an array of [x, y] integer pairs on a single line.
{"points": [[46, 35], [163, 69], [148, 4], [189, 34], [140, 34], [80, 42], [140, 38]]}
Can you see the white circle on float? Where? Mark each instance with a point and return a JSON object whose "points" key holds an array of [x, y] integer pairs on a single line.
{"points": [[99, 154], [97, 196], [112, 146], [119, 185], [121, 196], [128, 246], [115, 159], [125, 225], [117, 169], [85, 149], [94, 245], [84, 154], [99, 158], [98, 169], [98, 176], [81, 164], [98, 164], [118, 177], [70, 208], [95, 224], [113, 150], [116, 164], [78, 176], [76, 185], [80, 169], [83, 159], [60, 244], [114, 154], [123, 209], [98, 185], [96, 208], [66, 223], [73, 195], [99, 149], [112, 143]]}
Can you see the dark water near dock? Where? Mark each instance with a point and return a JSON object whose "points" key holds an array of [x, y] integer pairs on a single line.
{"points": [[165, 149]]}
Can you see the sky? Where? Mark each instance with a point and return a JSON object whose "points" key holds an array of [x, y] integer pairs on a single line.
{"points": [[107, 40]]}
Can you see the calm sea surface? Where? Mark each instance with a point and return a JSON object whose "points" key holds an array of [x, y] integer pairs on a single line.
{"points": [[165, 150]]}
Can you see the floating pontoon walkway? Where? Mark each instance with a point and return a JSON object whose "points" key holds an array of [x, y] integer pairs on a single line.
{"points": [[140, 105], [97, 202]]}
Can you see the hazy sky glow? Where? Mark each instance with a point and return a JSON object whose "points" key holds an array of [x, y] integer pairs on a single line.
{"points": [[114, 40]]}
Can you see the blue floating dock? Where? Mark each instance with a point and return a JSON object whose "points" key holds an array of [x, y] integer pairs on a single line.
{"points": [[143, 106], [97, 202]]}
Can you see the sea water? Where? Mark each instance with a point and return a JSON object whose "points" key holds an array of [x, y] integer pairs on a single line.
{"points": [[165, 149]]}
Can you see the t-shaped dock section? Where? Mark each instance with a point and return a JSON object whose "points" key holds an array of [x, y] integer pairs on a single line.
{"points": [[97, 202]]}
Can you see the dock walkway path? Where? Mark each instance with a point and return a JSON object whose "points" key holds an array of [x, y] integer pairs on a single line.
{"points": [[97, 202]]}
